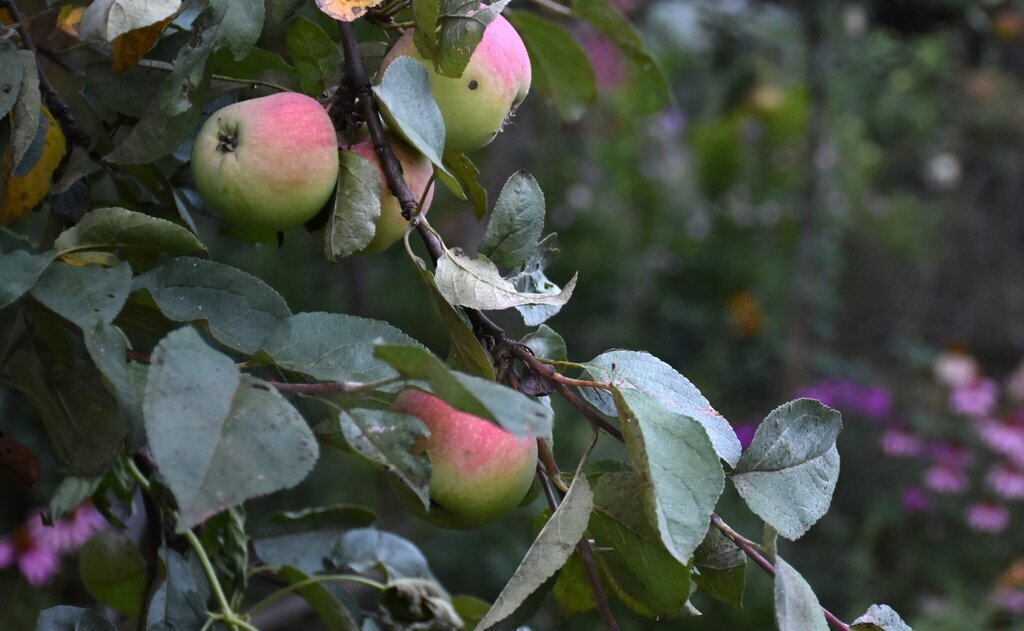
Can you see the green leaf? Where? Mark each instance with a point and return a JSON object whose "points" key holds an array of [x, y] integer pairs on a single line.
{"points": [[106, 20], [113, 571], [652, 91], [331, 517], [65, 618], [316, 56], [561, 68], [790, 470], [79, 165], [425, 14], [572, 589], [721, 568], [471, 609], [463, 180], [19, 271], [642, 572], [477, 284], [353, 220], [665, 448], [408, 105], [547, 344], [259, 64], [86, 295], [548, 553], [796, 606], [138, 237], [70, 493], [219, 437], [78, 414], [35, 149], [333, 347], [180, 600], [243, 23], [387, 439], [331, 611], [12, 74], [368, 549], [516, 223], [880, 618], [27, 110], [517, 413], [459, 33], [172, 117], [304, 551], [240, 309], [108, 347], [674, 392], [279, 11], [128, 92], [467, 354]]}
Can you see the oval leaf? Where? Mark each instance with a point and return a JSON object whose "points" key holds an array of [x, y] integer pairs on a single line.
{"points": [[796, 606]]}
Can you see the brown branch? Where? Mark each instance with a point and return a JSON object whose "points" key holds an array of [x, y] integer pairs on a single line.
{"points": [[51, 98], [586, 552], [750, 549]]}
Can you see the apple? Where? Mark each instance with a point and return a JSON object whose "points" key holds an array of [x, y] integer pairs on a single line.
{"points": [[476, 105], [267, 164], [480, 471], [417, 171]]}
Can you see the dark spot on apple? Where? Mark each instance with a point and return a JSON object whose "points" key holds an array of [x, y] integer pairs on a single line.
{"points": [[474, 84], [227, 140], [6, 88]]}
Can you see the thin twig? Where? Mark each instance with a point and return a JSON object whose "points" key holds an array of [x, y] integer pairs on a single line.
{"points": [[586, 552], [750, 549]]}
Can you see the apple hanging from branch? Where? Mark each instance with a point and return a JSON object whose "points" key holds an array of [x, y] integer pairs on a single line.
{"points": [[479, 471]]}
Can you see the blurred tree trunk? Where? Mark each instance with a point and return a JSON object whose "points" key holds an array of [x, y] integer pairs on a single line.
{"points": [[808, 266]]}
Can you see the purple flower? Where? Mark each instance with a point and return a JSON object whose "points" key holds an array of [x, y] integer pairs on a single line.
{"points": [[745, 432], [1004, 437], [988, 517], [976, 399], [1006, 481], [876, 403], [1011, 600], [900, 442], [36, 561], [915, 499], [71, 533], [945, 478], [873, 402]]}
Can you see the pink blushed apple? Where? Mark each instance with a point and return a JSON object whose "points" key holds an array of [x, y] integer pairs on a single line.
{"points": [[267, 164], [476, 105], [480, 471], [417, 170]]}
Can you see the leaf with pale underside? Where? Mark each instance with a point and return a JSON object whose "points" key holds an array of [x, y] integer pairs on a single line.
{"points": [[646, 373], [679, 470], [477, 284], [789, 472], [796, 606], [880, 618], [219, 437], [106, 20], [353, 218], [548, 553], [387, 439]]}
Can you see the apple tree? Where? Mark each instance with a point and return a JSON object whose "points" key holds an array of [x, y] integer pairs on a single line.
{"points": [[160, 373]]}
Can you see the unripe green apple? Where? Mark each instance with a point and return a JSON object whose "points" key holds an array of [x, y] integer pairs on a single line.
{"points": [[267, 164], [476, 105], [480, 471], [417, 170]]}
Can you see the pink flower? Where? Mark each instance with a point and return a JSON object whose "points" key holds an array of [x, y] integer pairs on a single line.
{"points": [[976, 399], [606, 60], [71, 533], [988, 517], [36, 561], [1012, 600], [901, 442], [1004, 437], [915, 499], [1007, 481], [945, 478], [955, 368]]}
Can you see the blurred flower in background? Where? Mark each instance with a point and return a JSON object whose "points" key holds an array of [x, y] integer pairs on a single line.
{"points": [[35, 549]]}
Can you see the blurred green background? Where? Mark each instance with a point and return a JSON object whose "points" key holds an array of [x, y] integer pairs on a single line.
{"points": [[833, 206]]}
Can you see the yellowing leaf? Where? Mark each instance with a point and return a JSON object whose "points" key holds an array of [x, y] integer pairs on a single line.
{"points": [[90, 257], [22, 194], [346, 10], [68, 19], [133, 45]]}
